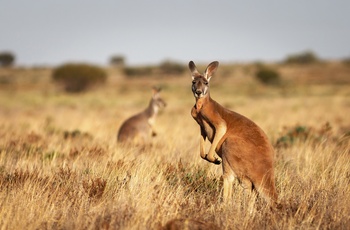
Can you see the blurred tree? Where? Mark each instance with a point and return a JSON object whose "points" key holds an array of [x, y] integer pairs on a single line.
{"points": [[302, 58], [7, 59], [346, 61], [171, 67], [268, 76], [117, 61], [138, 71], [78, 77]]}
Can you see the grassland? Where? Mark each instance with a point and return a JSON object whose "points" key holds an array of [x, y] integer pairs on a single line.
{"points": [[60, 166]]}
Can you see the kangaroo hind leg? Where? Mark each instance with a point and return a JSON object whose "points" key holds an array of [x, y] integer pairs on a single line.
{"points": [[265, 186]]}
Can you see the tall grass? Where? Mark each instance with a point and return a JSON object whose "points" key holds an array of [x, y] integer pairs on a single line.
{"points": [[60, 166]]}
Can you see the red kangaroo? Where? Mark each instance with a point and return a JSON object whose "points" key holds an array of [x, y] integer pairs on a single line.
{"points": [[138, 129], [237, 142]]}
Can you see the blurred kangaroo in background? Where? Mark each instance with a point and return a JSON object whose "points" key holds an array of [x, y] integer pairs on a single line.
{"points": [[237, 142], [138, 129]]}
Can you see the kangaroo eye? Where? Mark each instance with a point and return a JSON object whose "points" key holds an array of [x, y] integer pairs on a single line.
{"points": [[206, 83], [193, 82]]}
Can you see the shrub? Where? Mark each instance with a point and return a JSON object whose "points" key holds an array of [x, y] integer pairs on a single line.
{"points": [[300, 134], [346, 61], [7, 59], [267, 76], [117, 61], [6, 80], [78, 77], [193, 180], [138, 71], [169, 67], [164, 68], [307, 57]]}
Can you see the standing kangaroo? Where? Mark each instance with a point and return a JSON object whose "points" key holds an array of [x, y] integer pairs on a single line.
{"points": [[237, 142], [138, 129]]}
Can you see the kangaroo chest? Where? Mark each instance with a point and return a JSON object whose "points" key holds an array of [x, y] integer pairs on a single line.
{"points": [[205, 125]]}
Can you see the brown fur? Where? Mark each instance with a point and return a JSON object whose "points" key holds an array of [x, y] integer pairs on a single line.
{"points": [[138, 129], [237, 142]]}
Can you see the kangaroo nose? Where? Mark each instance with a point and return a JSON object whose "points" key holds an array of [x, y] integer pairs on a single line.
{"points": [[198, 92]]}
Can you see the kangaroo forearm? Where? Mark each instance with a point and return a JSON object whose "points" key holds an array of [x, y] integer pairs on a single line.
{"points": [[220, 132], [201, 147]]}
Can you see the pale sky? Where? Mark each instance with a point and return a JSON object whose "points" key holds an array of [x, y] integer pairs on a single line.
{"points": [[48, 32]]}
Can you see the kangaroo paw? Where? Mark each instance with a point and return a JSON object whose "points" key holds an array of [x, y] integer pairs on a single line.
{"points": [[216, 161]]}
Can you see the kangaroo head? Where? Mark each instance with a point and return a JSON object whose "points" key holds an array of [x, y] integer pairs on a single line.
{"points": [[200, 83], [157, 102]]}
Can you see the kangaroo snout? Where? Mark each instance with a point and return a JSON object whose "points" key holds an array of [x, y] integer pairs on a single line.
{"points": [[198, 92]]}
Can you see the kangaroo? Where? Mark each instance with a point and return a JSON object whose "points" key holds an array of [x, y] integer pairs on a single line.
{"points": [[237, 142], [138, 129]]}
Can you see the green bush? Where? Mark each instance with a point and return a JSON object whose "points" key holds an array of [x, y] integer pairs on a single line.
{"points": [[78, 77], [346, 61], [194, 180], [138, 71], [164, 68], [302, 58], [300, 134], [7, 59], [117, 61], [268, 76], [169, 67]]}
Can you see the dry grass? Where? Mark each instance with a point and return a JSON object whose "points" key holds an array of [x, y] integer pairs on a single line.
{"points": [[60, 167]]}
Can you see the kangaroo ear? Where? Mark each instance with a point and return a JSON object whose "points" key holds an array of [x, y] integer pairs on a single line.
{"points": [[193, 69], [155, 90], [210, 70]]}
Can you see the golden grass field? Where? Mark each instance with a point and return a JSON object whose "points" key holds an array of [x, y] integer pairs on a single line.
{"points": [[61, 168]]}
